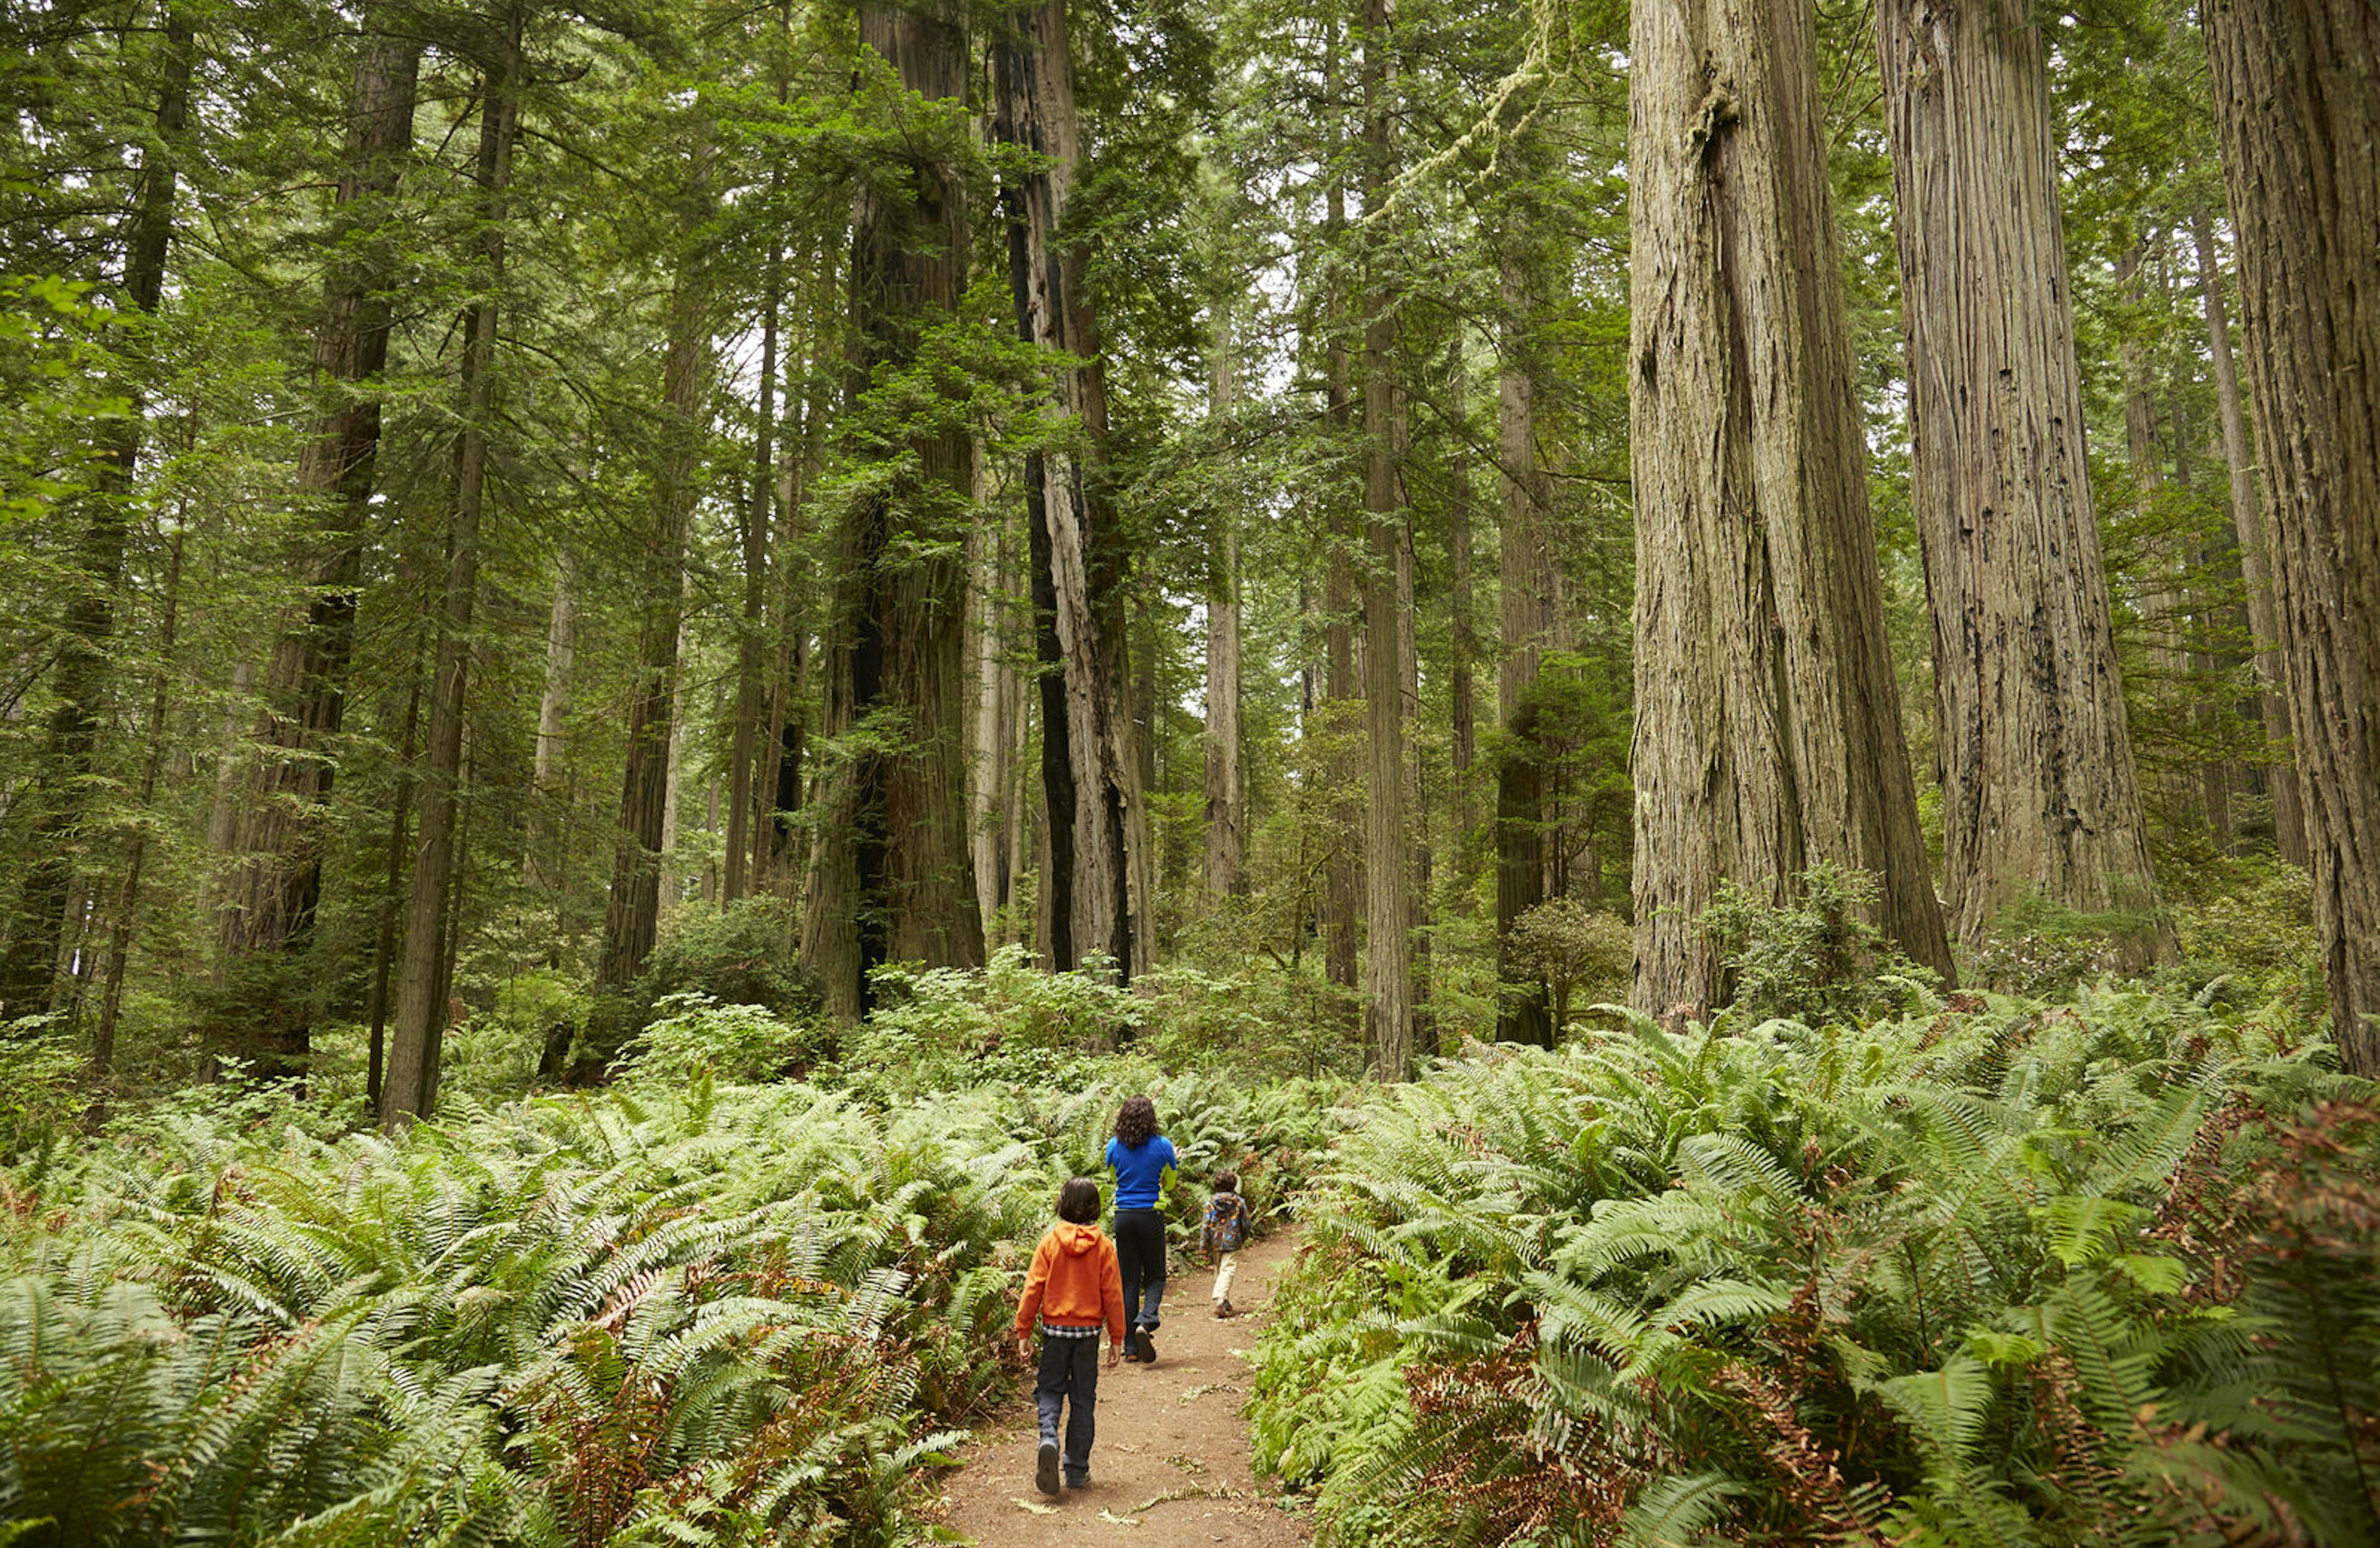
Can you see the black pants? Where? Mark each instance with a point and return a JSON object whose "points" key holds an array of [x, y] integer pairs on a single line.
{"points": [[1070, 1377], [1140, 1258]]}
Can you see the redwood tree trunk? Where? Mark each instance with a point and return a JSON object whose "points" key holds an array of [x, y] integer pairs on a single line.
{"points": [[1525, 592], [2298, 102], [410, 1084], [632, 912], [2039, 793], [891, 875], [1388, 847], [279, 839], [1226, 787], [1106, 891], [1769, 727], [2256, 565]]}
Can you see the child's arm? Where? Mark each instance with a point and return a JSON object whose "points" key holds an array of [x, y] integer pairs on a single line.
{"points": [[1037, 1281], [1112, 1297]]}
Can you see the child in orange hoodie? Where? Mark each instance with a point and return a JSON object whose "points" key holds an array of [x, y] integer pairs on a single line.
{"points": [[1076, 1290]]}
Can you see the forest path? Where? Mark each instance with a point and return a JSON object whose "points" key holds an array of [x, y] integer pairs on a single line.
{"points": [[1170, 1463]]}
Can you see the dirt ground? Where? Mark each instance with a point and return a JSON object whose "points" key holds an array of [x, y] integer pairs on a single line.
{"points": [[1170, 1463]]}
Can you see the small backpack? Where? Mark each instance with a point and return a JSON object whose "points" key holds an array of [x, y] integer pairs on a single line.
{"points": [[1226, 1221]]}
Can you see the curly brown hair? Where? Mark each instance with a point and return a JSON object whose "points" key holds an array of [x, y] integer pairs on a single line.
{"points": [[1135, 1122]]}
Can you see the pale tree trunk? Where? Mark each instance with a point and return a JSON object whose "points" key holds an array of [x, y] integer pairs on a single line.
{"points": [[545, 870], [1107, 893], [1768, 732], [272, 899], [2255, 566], [640, 865], [1525, 590], [2040, 796], [2161, 604], [745, 809], [1462, 711], [2298, 102], [62, 789], [1387, 848], [410, 1086], [779, 860], [890, 870], [999, 706], [1419, 920], [1226, 788]]}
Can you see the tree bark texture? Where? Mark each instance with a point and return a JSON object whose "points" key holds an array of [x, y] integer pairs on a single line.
{"points": [[409, 1086], [1524, 613], [1463, 712], [1226, 855], [2040, 796], [549, 789], [278, 842], [1107, 889], [891, 873], [745, 808], [1387, 848], [2298, 105], [60, 802], [1768, 732], [2255, 562]]}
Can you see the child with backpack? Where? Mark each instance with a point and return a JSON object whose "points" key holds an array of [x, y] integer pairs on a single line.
{"points": [[1221, 1235], [1075, 1291]]}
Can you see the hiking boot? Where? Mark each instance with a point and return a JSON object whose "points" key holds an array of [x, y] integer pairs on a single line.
{"points": [[1224, 1309], [1143, 1347], [1078, 1480], [1045, 1471]]}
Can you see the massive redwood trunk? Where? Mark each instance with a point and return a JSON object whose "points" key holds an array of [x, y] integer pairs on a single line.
{"points": [[410, 1088], [891, 875], [1769, 727], [2039, 793], [270, 900], [2297, 102], [1105, 890], [1525, 593]]}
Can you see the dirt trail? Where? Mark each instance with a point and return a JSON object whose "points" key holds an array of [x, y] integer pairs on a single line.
{"points": [[1171, 1464]]}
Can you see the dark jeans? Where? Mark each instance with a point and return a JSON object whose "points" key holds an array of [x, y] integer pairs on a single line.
{"points": [[1140, 1258], [1070, 1369]]}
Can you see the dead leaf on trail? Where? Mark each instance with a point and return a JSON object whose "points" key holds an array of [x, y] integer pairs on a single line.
{"points": [[1119, 1520], [1035, 1509]]}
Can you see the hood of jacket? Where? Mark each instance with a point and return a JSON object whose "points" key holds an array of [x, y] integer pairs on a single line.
{"points": [[1078, 1241]]}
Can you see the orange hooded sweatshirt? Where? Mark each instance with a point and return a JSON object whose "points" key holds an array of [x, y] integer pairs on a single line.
{"points": [[1074, 1282]]}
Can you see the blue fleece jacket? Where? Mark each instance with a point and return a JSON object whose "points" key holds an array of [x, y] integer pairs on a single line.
{"points": [[1140, 1170]]}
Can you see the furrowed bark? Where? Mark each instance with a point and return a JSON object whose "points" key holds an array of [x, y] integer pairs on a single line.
{"points": [[2039, 792], [2298, 105], [1768, 730]]}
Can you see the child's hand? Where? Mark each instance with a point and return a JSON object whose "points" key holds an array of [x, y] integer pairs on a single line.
{"points": [[1115, 1356], [1025, 1346]]}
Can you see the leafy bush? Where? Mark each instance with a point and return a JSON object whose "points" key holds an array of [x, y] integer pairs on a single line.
{"points": [[2258, 945], [1815, 959], [696, 1035], [2000, 1274], [2044, 949], [1569, 950]]}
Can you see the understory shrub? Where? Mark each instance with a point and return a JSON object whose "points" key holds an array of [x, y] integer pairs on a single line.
{"points": [[1995, 1273]]}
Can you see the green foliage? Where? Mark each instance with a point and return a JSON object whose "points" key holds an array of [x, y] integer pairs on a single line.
{"points": [[2041, 948], [1991, 1272], [1569, 950], [697, 1036], [2258, 945], [44, 1088], [1815, 959]]}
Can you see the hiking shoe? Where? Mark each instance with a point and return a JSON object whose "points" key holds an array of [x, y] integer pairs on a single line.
{"points": [[1226, 1309], [1045, 1472], [1143, 1347], [1078, 1480]]}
